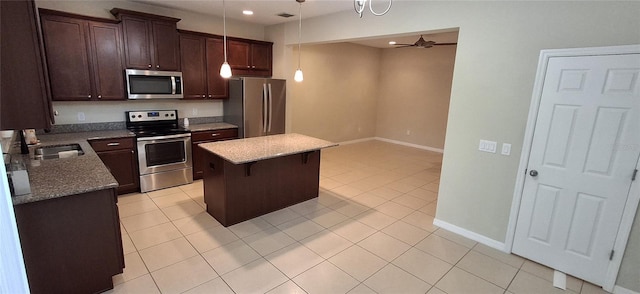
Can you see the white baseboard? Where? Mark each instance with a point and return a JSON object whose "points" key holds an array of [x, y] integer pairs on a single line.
{"points": [[470, 235], [621, 290], [428, 148], [356, 141]]}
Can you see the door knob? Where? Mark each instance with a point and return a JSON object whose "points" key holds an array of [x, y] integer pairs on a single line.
{"points": [[533, 173]]}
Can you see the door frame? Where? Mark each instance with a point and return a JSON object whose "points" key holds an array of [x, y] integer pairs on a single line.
{"points": [[634, 192]]}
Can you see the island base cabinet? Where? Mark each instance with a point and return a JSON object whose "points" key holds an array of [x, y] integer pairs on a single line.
{"points": [[238, 192], [71, 244]]}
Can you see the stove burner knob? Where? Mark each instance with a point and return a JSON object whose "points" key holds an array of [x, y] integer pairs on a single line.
{"points": [[166, 114], [172, 115], [139, 115], [133, 116]]}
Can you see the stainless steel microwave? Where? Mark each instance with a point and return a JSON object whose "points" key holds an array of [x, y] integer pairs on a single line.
{"points": [[151, 84]]}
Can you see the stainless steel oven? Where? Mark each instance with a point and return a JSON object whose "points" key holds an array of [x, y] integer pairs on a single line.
{"points": [[164, 149], [164, 161]]}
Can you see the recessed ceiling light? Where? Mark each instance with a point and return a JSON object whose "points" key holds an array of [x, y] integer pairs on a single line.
{"points": [[247, 12], [392, 42]]}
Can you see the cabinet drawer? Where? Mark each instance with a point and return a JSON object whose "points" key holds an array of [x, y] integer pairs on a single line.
{"points": [[112, 144], [224, 134]]}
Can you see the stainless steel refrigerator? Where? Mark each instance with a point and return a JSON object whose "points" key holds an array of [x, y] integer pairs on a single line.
{"points": [[256, 106]]}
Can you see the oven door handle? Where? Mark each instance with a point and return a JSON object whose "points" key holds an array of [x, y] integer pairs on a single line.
{"points": [[164, 137]]}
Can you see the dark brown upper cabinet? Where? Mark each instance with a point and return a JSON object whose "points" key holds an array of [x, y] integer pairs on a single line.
{"points": [[250, 57], [84, 56], [150, 41], [24, 97], [201, 56]]}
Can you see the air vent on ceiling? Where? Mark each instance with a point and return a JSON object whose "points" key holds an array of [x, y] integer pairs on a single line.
{"points": [[284, 14]]}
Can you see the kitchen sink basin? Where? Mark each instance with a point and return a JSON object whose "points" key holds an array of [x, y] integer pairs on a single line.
{"points": [[58, 151]]}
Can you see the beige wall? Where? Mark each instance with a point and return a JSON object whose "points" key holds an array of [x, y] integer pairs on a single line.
{"points": [[355, 92], [413, 95], [498, 47], [114, 111], [337, 99]]}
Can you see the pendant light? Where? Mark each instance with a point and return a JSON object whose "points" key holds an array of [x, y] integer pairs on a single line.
{"points": [[360, 5], [298, 77], [225, 69]]}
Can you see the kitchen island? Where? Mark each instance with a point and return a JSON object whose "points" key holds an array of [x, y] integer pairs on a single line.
{"points": [[250, 177]]}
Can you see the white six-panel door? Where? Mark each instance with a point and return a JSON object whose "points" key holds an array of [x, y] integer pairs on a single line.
{"points": [[586, 145]]}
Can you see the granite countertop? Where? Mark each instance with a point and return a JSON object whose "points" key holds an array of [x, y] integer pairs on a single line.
{"points": [[260, 148], [211, 126], [55, 178]]}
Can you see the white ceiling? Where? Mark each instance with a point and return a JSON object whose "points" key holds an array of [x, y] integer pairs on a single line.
{"points": [[265, 13]]}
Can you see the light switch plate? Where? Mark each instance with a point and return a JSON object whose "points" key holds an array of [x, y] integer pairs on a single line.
{"points": [[506, 149], [488, 146]]}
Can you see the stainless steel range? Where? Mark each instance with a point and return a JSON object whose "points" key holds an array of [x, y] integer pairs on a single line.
{"points": [[164, 149]]}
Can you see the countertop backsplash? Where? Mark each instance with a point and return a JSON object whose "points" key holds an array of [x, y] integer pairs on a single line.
{"points": [[113, 126]]}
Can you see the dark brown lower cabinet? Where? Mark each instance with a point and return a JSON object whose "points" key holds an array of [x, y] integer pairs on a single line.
{"points": [[238, 192], [198, 158], [119, 155], [71, 244]]}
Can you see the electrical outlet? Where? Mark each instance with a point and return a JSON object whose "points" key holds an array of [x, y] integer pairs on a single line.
{"points": [[408, 132], [81, 116], [488, 146], [194, 111], [506, 149]]}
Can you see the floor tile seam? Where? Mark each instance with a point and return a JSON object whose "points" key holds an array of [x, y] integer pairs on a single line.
{"points": [[147, 267], [380, 230], [491, 257], [403, 252], [462, 269], [433, 255], [162, 223]]}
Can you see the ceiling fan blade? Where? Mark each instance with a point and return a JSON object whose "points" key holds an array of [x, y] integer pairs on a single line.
{"points": [[405, 46], [436, 44]]}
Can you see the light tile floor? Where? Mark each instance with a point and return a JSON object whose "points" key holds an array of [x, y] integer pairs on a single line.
{"points": [[370, 231]]}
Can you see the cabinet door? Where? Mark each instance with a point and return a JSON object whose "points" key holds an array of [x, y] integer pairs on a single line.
{"points": [[194, 70], [67, 57], [106, 50], [123, 165], [165, 43], [261, 57], [218, 86], [137, 42], [24, 101], [238, 55]]}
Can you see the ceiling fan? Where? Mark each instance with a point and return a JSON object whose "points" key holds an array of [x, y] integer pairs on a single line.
{"points": [[423, 44]]}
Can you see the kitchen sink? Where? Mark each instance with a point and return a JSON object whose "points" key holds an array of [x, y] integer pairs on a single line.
{"points": [[58, 151]]}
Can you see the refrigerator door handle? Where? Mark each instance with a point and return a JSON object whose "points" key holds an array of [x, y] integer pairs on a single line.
{"points": [[264, 108], [270, 107]]}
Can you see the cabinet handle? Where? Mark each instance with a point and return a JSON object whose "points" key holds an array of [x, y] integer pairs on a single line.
{"points": [[158, 66], [132, 152], [203, 96], [149, 65], [209, 95], [99, 96], [248, 66], [113, 144], [253, 66], [215, 134], [89, 96]]}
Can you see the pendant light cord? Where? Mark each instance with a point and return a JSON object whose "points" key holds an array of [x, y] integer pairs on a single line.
{"points": [[224, 28], [299, 33]]}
